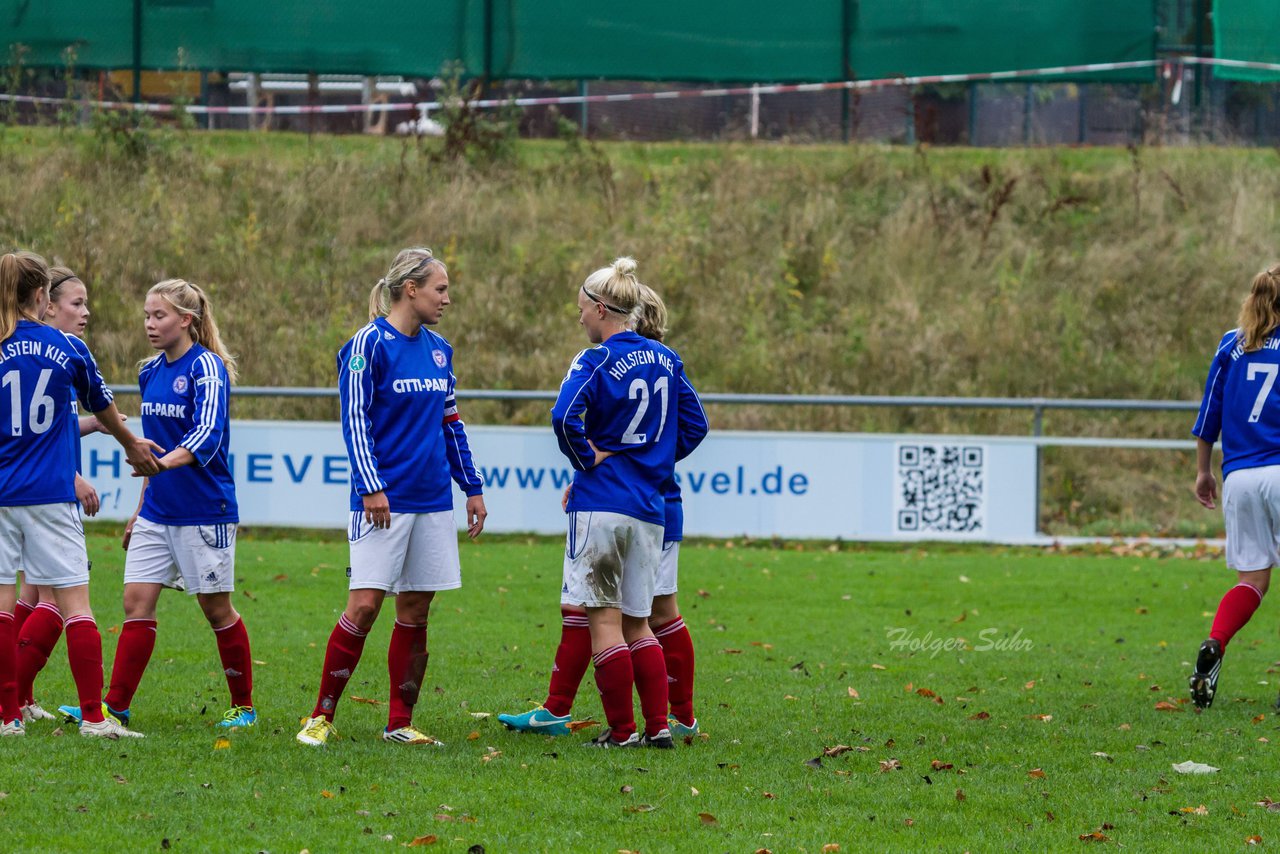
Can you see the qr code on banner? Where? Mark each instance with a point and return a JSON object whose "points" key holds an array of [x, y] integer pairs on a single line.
{"points": [[940, 489]]}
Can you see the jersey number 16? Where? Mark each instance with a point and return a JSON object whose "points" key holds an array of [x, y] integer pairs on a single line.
{"points": [[40, 417]]}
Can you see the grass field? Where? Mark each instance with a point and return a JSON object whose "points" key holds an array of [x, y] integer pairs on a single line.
{"points": [[1040, 727]]}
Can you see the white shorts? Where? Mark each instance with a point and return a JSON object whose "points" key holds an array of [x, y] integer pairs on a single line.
{"points": [[203, 556], [611, 561], [668, 569], [419, 552], [1251, 509], [45, 542]]}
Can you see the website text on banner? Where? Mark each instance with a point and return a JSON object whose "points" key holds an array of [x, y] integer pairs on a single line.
{"points": [[815, 485]]}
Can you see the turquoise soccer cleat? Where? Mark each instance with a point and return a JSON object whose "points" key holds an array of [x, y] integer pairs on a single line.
{"points": [[72, 714], [537, 720], [239, 716]]}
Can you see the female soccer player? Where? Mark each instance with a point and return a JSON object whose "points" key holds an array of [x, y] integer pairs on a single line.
{"points": [[185, 524], [40, 530], [404, 441], [1240, 405], [611, 420], [574, 652], [36, 620]]}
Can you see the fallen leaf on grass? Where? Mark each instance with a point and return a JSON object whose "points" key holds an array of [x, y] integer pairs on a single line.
{"points": [[640, 808], [853, 693], [1029, 685], [1166, 706], [980, 716], [574, 726], [960, 795], [429, 839], [1049, 816], [1096, 836], [221, 743], [815, 762], [890, 765], [473, 735], [1259, 719], [368, 701], [1272, 806], [1253, 840], [877, 667], [763, 851], [693, 792], [925, 692], [1045, 718], [1036, 773], [1200, 810], [707, 818], [939, 765], [1190, 767], [626, 790], [728, 651], [325, 793], [491, 755], [836, 750], [830, 848], [481, 715], [769, 796]]}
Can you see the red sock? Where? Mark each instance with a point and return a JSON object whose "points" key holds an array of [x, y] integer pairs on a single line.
{"points": [[406, 665], [20, 613], [237, 662], [84, 652], [677, 649], [615, 678], [1234, 611], [651, 683], [133, 652], [36, 640], [8, 671], [572, 657], [341, 656]]}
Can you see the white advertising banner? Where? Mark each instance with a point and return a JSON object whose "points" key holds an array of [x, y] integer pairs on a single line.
{"points": [[802, 485]]}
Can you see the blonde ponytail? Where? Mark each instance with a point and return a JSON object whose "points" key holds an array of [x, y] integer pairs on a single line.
{"points": [[1260, 311], [22, 276], [191, 300], [410, 265], [651, 320]]}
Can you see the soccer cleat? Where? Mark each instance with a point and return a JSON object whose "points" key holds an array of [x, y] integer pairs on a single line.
{"points": [[32, 712], [316, 731], [1204, 682], [108, 727], [605, 740], [679, 730], [537, 720], [71, 714], [239, 716], [12, 728], [662, 740], [409, 735]]}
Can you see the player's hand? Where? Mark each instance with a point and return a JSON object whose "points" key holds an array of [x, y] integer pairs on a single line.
{"points": [[1206, 489], [564, 501], [377, 510], [476, 514], [87, 496], [128, 532], [141, 454], [601, 456]]}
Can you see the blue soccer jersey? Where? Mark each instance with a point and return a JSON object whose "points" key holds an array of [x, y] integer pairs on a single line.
{"points": [[184, 404], [628, 395], [400, 420], [42, 372], [1241, 402]]}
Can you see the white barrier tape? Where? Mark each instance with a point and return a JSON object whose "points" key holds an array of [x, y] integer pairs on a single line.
{"points": [[772, 89]]}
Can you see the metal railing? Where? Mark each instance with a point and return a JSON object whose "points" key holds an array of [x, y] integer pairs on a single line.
{"points": [[1037, 406]]}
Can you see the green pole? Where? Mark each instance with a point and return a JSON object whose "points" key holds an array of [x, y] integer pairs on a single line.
{"points": [[846, 68], [137, 51]]}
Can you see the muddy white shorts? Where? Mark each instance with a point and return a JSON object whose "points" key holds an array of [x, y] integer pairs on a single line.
{"points": [[668, 569], [1251, 510], [203, 556], [45, 541], [418, 552], [611, 561]]}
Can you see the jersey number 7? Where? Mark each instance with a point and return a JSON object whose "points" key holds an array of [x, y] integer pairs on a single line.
{"points": [[1269, 371]]}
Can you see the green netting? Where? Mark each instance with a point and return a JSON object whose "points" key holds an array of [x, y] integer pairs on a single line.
{"points": [[1248, 30], [727, 40]]}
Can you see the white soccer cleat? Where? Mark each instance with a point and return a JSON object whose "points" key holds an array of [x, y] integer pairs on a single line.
{"points": [[410, 735], [32, 712], [107, 728], [10, 729]]}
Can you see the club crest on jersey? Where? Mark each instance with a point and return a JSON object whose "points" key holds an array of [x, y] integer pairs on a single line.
{"points": [[438, 355], [357, 363], [180, 384]]}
